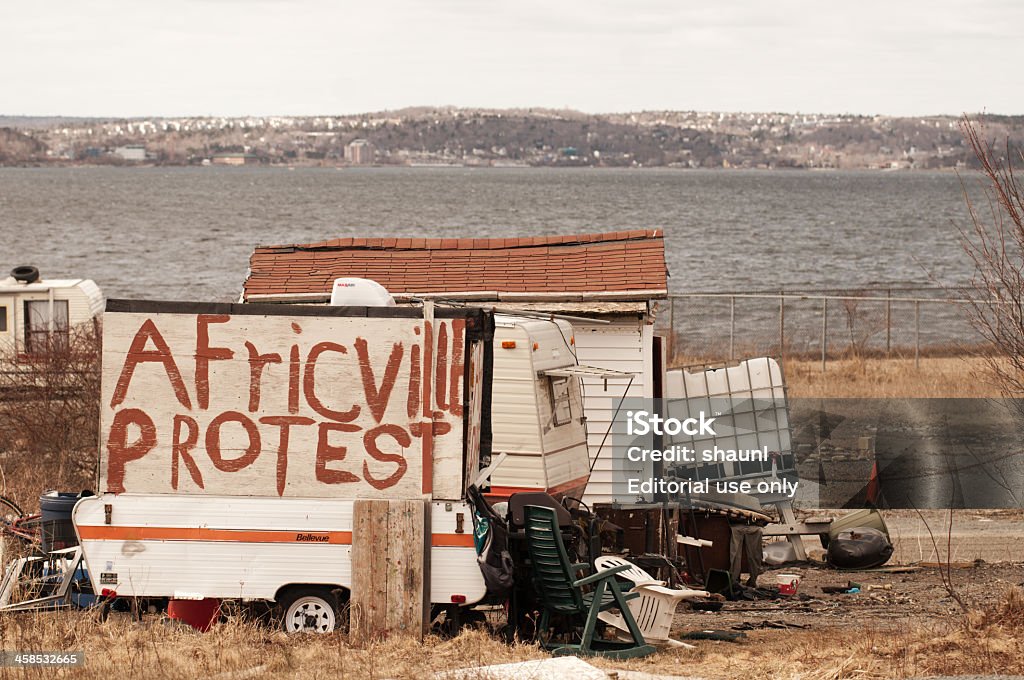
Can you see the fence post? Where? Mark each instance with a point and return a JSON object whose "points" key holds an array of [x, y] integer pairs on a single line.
{"points": [[672, 331], [888, 323], [917, 333], [782, 325], [732, 328], [824, 331]]}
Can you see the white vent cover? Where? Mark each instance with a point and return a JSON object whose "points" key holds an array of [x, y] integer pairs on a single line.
{"points": [[360, 293]]}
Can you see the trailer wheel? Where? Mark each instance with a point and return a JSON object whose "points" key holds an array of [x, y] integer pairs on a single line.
{"points": [[310, 610]]}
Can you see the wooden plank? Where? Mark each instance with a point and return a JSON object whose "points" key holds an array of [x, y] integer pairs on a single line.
{"points": [[948, 565], [276, 405], [801, 528], [787, 516], [406, 563], [390, 576], [368, 599]]}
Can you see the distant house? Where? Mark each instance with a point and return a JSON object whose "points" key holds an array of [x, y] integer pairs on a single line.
{"points": [[131, 152], [35, 312], [359, 152], [614, 278], [235, 159]]}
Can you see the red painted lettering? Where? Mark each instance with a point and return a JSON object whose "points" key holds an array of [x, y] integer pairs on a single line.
{"points": [[257, 362], [120, 452], [180, 450], [284, 423], [377, 398], [309, 384], [428, 364], [441, 370], [413, 403], [213, 449], [205, 354], [370, 442], [293, 379], [328, 453], [138, 354]]}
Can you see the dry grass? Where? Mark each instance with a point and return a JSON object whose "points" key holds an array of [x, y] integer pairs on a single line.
{"points": [[886, 378], [985, 642], [153, 649]]}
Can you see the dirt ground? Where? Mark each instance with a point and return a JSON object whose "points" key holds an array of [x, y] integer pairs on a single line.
{"points": [[901, 625], [886, 600]]}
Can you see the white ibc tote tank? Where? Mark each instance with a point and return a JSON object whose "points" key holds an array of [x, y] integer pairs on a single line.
{"points": [[354, 292]]}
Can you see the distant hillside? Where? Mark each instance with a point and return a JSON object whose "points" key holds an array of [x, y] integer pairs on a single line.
{"points": [[533, 137], [16, 147]]}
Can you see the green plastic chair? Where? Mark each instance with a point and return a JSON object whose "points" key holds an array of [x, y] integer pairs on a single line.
{"points": [[562, 594]]}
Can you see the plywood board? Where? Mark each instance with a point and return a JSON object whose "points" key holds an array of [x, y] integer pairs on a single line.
{"points": [[279, 405]]}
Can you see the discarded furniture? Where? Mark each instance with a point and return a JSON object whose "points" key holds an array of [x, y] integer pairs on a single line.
{"points": [[711, 525], [794, 530], [562, 593], [655, 605], [38, 583]]}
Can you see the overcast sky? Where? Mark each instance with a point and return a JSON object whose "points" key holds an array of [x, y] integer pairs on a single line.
{"points": [[237, 57]]}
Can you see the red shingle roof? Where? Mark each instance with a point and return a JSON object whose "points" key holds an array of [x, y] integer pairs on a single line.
{"points": [[621, 261]]}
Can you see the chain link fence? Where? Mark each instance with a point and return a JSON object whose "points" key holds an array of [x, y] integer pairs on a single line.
{"points": [[819, 325]]}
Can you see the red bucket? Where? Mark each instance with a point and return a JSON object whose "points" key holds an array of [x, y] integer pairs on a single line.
{"points": [[200, 614], [788, 583]]}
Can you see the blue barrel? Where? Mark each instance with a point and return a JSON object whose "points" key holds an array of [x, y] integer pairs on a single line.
{"points": [[57, 530]]}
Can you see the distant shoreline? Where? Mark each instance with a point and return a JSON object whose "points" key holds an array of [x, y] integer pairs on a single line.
{"points": [[453, 137], [483, 168]]}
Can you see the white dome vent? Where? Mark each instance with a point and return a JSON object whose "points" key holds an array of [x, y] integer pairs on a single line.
{"points": [[354, 292]]}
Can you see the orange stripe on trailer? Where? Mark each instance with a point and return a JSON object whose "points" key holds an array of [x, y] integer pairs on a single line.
{"points": [[113, 533], [452, 540]]}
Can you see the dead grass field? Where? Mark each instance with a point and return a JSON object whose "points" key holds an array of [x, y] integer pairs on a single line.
{"points": [[937, 377], [983, 642]]}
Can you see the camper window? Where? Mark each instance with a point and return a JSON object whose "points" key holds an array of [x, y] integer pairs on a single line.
{"points": [[38, 325], [560, 410], [3, 319]]}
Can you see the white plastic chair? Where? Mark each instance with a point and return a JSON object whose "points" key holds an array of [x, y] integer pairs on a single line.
{"points": [[655, 607]]}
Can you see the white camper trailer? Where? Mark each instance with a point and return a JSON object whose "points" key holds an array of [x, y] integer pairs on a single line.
{"points": [[236, 439], [537, 409], [33, 311]]}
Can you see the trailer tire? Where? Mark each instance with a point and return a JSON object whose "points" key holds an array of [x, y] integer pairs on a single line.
{"points": [[25, 274], [310, 610]]}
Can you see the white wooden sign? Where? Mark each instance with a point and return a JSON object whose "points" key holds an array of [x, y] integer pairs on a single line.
{"points": [[299, 406]]}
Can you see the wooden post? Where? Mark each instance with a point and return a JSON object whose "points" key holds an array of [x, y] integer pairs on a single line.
{"points": [[671, 331], [390, 570], [917, 334], [888, 323], [732, 327], [824, 331], [782, 324]]}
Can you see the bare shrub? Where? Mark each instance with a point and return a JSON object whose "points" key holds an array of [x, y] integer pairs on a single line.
{"points": [[49, 415], [995, 243], [863, 323]]}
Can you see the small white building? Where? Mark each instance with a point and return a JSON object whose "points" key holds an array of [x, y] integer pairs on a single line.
{"points": [[34, 310], [609, 283], [131, 152]]}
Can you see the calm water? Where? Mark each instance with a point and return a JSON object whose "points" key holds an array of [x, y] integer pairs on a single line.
{"points": [[187, 233]]}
